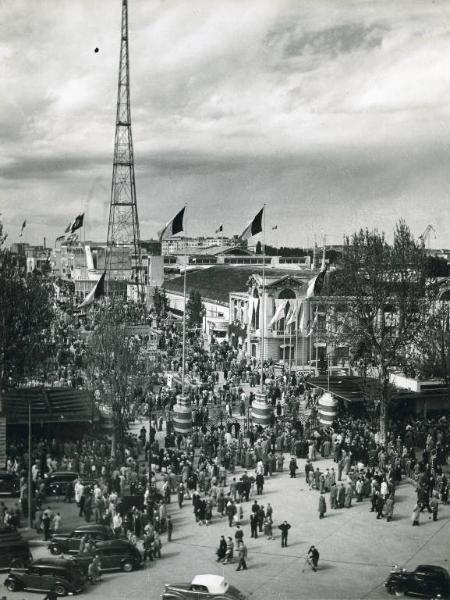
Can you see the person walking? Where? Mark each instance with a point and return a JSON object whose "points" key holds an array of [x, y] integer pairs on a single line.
{"points": [[254, 525], [180, 495], [415, 515], [322, 506], [46, 526], [284, 527], [389, 508], [293, 467], [313, 558], [222, 549], [169, 528], [333, 495], [434, 505], [242, 555]]}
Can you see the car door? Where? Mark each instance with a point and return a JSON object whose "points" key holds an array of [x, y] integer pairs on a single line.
{"points": [[74, 541], [33, 579], [106, 557]]}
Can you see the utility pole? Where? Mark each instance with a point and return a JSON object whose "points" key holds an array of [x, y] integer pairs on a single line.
{"points": [[123, 226]]}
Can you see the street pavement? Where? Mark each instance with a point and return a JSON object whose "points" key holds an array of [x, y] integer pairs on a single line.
{"points": [[356, 549]]}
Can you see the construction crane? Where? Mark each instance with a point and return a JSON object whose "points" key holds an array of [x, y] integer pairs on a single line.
{"points": [[425, 236]]}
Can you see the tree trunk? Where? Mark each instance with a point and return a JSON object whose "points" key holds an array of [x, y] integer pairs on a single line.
{"points": [[384, 404]]}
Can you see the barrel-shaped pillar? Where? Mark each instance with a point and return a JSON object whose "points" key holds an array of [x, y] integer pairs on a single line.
{"points": [[182, 416], [261, 410], [327, 409]]}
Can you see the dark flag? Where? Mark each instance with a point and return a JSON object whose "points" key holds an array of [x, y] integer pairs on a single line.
{"points": [[24, 224], [97, 291], [274, 227], [173, 227], [220, 229], [78, 223], [315, 285], [254, 227]]}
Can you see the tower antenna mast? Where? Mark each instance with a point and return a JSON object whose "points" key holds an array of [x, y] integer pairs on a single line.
{"points": [[123, 243]]}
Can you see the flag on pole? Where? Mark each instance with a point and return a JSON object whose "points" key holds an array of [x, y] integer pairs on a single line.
{"points": [[315, 285], [24, 224], [254, 227], [60, 238], [296, 304], [274, 227], [220, 229], [78, 223], [97, 291], [313, 324], [173, 227], [279, 311]]}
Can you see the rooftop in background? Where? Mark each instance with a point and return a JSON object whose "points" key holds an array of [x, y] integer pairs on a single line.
{"points": [[217, 282]]}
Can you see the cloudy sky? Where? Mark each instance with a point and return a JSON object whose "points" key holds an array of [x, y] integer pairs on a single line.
{"points": [[336, 113]]}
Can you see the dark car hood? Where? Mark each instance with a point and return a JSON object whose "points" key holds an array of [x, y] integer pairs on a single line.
{"points": [[61, 537]]}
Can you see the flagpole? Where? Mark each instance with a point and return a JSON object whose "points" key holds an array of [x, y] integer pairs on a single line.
{"points": [[263, 304], [183, 362], [296, 338], [290, 346]]}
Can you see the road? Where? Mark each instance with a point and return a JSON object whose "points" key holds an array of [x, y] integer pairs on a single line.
{"points": [[356, 549]]}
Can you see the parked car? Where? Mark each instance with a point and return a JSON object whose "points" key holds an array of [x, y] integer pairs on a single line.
{"points": [[45, 574], [14, 550], [202, 586], [114, 555], [426, 581], [9, 484], [56, 483], [70, 543]]}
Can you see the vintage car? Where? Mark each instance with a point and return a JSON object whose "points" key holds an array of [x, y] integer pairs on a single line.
{"points": [[45, 574], [426, 581], [202, 586], [70, 543], [114, 555], [56, 483], [9, 484]]}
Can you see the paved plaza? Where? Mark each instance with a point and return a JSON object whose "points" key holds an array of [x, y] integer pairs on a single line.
{"points": [[356, 549]]}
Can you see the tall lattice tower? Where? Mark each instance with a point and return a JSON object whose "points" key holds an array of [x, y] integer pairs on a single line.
{"points": [[124, 250]]}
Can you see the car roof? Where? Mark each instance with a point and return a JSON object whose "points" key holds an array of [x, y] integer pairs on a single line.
{"points": [[114, 544], [6, 474], [92, 527], [62, 563], [64, 473], [432, 569], [215, 584]]}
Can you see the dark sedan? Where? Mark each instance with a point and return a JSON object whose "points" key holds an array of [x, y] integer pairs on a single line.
{"points": [[70, 543], [426, 581], [114, 555], [61, 575], [9, 484], [56, 483]]}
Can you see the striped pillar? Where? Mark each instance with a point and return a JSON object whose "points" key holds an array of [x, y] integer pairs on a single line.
{"points": [[327, 409], [182, 415], [261, 410]]}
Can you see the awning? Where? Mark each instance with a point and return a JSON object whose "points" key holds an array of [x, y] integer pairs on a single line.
{"points": [[49, 405]]}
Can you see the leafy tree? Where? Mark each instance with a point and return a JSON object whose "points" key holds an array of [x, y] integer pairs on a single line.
{"points": [[194, 309], [26, 315], [382, 306], [160, 301], [258, 248], [117, 368]]}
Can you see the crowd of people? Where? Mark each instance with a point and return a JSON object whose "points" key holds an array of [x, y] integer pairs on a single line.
{"points": [[221, 467]]}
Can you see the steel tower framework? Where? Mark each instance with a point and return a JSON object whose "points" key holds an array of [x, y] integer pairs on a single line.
{"points": [[123, 245]]}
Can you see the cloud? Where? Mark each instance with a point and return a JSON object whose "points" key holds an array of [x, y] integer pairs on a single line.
{"points": [[306, 106]]}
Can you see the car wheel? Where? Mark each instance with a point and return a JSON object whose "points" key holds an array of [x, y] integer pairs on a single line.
{"points": [[127, 566], [55, 550], [60, 590], [11, 585]]}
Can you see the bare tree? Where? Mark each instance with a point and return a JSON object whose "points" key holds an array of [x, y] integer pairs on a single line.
{"points": [[117, 366]]}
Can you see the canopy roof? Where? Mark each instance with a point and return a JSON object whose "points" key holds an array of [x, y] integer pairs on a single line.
{"points": [[49, 405]]}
